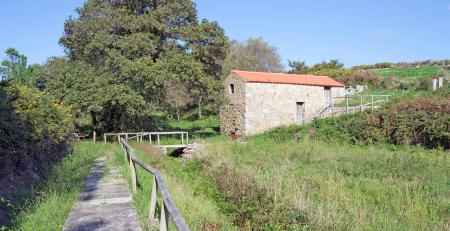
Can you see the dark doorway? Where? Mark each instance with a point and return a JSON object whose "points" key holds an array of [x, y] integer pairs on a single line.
{"points": [[300, 112]]}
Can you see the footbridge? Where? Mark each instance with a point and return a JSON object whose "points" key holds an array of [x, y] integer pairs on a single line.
{"points": [[162, 140]]}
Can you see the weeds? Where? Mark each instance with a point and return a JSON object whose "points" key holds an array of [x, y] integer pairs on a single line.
{"points": [[49, 203]]}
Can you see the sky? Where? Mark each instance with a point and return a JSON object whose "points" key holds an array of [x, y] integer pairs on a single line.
{"points": [[353, 31]]}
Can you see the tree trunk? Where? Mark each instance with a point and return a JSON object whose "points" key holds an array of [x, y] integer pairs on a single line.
{"points": [[94, 125], [178, 114], [200, 107]]}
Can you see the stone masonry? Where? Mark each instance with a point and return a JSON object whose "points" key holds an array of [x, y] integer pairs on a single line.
{"points": [[232, 114], [255, 107], [105, 203]]}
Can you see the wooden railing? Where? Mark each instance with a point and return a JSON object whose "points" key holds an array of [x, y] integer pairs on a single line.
{"points": [[373, 104], [140, 136], [167, 207]]}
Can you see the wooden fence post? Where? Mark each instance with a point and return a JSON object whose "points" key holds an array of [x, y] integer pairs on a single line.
{"points": [[158, 139], [104, 137], [152, 211], [150, 138], [133, 173], [164, 224]]}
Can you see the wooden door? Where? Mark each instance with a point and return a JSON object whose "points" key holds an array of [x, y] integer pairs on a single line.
{"points": [[327, 91], [300, 112]]}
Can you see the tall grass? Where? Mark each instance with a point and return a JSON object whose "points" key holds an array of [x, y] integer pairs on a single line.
{"points": [[280, 184], [194, 194], [49, 203], [270, 183], [329, 186]]}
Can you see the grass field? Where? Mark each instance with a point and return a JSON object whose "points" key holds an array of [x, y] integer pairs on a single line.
{"points": [[202, 128], [409, 73], [49, 203], [310, 185], [338, 187], [395, 95]]}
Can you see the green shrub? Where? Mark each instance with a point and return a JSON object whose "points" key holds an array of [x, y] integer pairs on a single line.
{"points": [[33, 128], [421, 121], [48, 121]]}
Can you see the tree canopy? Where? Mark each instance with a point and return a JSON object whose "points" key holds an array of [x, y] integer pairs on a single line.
{"points": [[121, 54], [14, 68], [333, 68], [254, 54]]}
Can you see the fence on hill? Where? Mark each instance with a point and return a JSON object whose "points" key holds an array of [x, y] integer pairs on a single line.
{"points": [[168, 210], [375, 101]]}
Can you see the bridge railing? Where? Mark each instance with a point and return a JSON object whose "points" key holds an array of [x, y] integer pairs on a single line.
{"points": [[152, 137], [167, 206]]}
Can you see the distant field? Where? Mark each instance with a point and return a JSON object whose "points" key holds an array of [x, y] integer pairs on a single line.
{"points": [[410, 72]]}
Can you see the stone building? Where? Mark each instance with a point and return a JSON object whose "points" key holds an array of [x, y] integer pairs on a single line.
{"points": [[258, 101]]}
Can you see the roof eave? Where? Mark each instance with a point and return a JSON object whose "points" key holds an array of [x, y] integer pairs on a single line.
{"points": [[303, 84]]}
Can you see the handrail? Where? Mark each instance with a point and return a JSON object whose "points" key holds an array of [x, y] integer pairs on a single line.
{"points": [[350, 109], [139, 136], [168, 208], [357, 96]]}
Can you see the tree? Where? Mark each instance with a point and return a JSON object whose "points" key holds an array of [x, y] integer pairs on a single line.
{"points": [[131, 47], [255, 54], [333, 68], [177, 96], [15, 69], [53, 67], [298, 67]]}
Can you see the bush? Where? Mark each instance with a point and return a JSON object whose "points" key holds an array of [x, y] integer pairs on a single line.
{"points": [[422, 121], [48, 121], [33, 127], [361, 78]]}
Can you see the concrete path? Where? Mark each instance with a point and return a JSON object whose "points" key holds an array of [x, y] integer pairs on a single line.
{"points": [[105, 203]]}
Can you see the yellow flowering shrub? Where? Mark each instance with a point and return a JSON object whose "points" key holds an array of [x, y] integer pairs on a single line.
{"points": [[48, 121]]}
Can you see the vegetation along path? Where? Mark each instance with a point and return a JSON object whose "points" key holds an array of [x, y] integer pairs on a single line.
{"points": [[105, 203]]}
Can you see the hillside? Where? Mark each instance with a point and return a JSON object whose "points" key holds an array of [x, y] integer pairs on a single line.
{"points": [[348, 173], [288, 185]]}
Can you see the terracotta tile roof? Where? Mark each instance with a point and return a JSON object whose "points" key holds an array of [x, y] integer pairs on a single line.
{"points": [[266, 77]]}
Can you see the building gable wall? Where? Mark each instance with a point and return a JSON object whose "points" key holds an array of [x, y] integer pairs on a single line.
{"points": [[232, 114]]}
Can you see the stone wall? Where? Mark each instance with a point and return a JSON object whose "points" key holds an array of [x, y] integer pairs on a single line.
{"points": [[232, 113], [271, 105]]}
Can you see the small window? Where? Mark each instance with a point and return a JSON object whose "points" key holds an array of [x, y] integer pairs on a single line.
{"points": [[232, 88]]}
